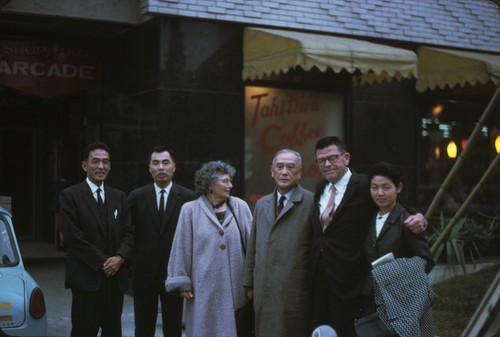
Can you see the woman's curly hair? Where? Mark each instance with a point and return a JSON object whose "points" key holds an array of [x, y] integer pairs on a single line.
{"points": [[209, 173]]}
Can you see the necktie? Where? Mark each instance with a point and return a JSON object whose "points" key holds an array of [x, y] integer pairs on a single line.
{"points": [[281, 203], [327, 215], [100, 206], [100, 203], [161, 208]]}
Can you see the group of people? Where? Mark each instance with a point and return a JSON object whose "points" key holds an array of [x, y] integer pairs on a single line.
{"points": [[303, 257]]}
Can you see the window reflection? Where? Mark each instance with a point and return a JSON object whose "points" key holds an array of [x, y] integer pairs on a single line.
{"points": [[445, 130], [7, 250]]}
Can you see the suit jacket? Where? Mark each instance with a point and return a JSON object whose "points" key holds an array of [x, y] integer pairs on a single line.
{"points": [[341, 245], [153, 240], [86, 238], [277, 265]]}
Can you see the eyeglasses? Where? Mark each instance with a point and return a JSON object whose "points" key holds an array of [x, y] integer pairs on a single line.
{"points": [[332, 159], [226, 181]]}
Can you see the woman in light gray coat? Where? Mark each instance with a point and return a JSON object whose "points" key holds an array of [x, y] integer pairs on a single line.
{"points": [[207, 257]]}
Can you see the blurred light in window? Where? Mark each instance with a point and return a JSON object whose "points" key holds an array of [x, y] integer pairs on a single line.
{"points": [[437, 152], [463, 143], [497, 144], [436, 111], [451, 149]]}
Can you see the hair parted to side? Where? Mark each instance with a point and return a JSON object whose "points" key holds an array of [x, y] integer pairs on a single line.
{"points": [[160, 149], [95, 146], [387, 170], [330, 140], [209, 173], [299, 157]]}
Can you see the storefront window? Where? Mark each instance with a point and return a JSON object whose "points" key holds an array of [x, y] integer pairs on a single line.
{"points": [[445, 131], [278, 118]]}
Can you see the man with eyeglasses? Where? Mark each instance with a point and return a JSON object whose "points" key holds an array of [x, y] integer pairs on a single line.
{"points": [[276, 266], [96, 227], [342, 211], [154, 210]]}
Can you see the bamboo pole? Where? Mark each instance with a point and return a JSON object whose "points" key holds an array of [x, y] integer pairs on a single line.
{"points": [[458, 163], [464, 205]]}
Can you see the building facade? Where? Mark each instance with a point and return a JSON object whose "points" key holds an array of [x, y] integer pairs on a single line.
{"points": [[236, 80]]}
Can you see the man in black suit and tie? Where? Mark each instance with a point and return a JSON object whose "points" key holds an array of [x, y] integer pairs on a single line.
{"points": [[99, 238], [339, 228], [154, 210]]}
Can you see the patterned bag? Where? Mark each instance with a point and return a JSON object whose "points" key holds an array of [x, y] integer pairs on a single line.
{"points": [[371, 326]]}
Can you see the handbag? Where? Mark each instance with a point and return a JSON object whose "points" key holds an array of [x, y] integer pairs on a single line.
{"points": [[371, 326], [245, 320]]}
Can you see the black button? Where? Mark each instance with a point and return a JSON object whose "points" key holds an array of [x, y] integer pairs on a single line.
{"points": [[221, 232], [222, 246]]}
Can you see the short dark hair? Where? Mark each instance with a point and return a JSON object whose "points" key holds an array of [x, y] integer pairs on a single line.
{"points": [[162, 148], [386, 170], [95, 146], [328, 141], [208, 174]]}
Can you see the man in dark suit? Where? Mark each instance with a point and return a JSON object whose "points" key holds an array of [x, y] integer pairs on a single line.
{"points": [[155, 220], [342, 211], [97, 232]]}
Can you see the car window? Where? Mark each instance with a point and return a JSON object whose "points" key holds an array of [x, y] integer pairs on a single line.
{"points": [[8, 256]]}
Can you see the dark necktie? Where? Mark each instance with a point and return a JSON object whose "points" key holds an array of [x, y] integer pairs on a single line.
{"points": [[161, 208], [103, 214], [100, 203], [281, 203]]}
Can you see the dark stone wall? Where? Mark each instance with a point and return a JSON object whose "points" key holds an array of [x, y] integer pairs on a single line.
{"points": [[383, 127], [176, 83]]}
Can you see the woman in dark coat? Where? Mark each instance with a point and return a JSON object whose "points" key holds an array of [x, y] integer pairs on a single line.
{"points": [[387, 232]]}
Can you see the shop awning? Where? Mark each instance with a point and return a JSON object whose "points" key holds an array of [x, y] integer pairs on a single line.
{"points": [[438, 68], [268, 51]]}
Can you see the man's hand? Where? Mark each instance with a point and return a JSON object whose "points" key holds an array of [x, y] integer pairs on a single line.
{"points": [[187, 295], [112, 265], [249, 292], [416, 223]]}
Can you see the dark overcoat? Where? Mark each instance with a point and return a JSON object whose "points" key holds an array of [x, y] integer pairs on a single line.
{"points": [[277, 265]]}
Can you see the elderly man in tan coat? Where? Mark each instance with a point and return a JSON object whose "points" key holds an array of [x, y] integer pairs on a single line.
{"points": [[277, 259]]}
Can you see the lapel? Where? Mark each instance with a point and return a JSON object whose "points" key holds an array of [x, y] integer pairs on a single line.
{"points": [[89, 199], [152, 207], [352, 185], [207, 209], [172, 200], [296, 197], [391, 220]]}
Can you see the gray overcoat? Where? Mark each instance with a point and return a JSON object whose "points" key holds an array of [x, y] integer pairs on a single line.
{"points": [[277, 265], [207, 258]]}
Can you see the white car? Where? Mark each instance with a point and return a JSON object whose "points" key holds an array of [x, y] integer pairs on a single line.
{"points": [[22, 304]]}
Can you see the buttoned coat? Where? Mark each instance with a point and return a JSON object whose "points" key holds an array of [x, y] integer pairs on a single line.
{"points": [[207, 258], [341, 245], [277, 265], [153, 240], [86, 238]]}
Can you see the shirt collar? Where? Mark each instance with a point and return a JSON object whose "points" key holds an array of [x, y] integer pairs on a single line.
{"points": [[167, 189], [94, 187], [288, 195], [341, 185]]}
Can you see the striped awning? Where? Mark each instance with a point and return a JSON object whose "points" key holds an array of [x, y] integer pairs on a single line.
{"points": [[270, 52], [441, 68]]}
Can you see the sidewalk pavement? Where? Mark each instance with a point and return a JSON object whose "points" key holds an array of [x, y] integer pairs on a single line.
{"points": [[46, 266]]}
